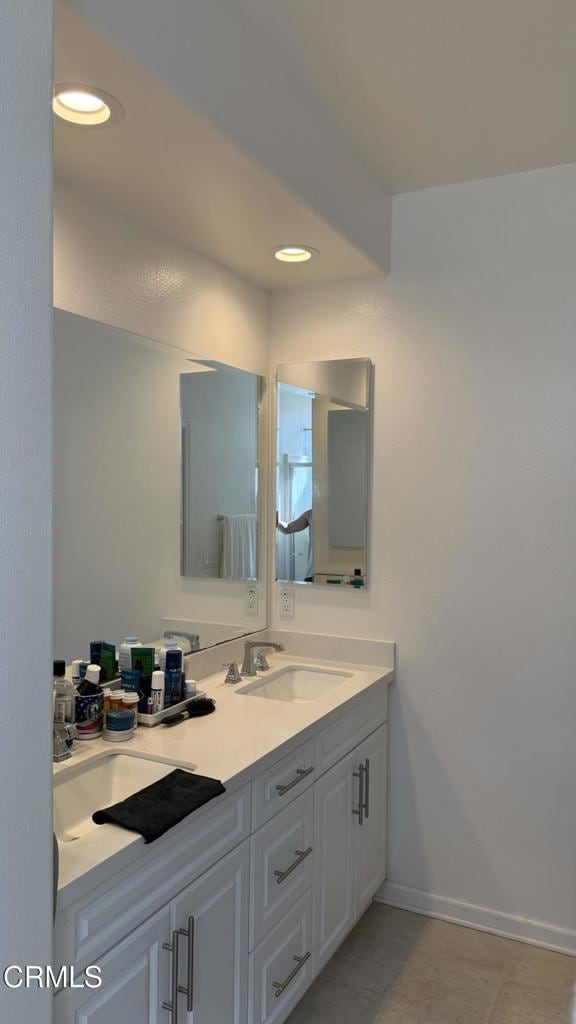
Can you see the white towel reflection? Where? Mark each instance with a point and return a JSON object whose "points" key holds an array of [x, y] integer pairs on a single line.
{"points": [[239, 547]]}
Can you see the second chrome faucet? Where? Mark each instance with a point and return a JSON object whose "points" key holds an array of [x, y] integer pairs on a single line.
{"points": [[248, 665]]}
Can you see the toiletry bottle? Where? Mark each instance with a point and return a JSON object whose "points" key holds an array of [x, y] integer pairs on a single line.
{"points": [[189, 689], [76, 671], [64, 694], [130, 701], [170, 645], [171, 662], [157, 691], [125, 653]]}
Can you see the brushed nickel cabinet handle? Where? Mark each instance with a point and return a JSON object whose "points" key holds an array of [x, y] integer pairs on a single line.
{"points": [[174, 948], [280, 986], [189, 990], [360, 809], [301, 773], [367, 788], [301, 855]]}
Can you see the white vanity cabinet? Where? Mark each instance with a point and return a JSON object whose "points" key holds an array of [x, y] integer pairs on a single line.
{"points": [[232, 916], [350, 841], [189, 962]]}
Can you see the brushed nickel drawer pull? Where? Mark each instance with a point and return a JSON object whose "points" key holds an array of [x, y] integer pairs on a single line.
{"points": [[300, 857], [188, 933], [367, 788], [360, 809], [174, 948], [280, 986], [301, 773]]}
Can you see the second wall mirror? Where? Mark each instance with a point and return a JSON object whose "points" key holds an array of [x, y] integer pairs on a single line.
{"points": [[323, 445]]}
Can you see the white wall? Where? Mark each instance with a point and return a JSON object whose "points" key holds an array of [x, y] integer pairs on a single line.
{"points": [[25, 483], [110, 268], [473, 540]]}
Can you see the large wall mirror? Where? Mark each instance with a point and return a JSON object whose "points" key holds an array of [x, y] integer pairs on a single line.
{"points": [[158, 503], [323, 444]]}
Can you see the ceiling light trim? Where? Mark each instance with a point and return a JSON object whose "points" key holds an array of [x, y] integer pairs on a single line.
{"points": [[294, 253], [108, 113]]}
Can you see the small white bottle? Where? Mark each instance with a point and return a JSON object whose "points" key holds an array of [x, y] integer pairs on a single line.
{"points": [[157, 692], [125, 652], [76, 670], [170, 645]]}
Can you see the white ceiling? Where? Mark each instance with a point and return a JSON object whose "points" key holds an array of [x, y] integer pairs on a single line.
{"points": [[252, 123], [432, 92], [170, 169]]}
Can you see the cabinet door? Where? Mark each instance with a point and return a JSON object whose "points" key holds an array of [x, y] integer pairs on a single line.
{"points": [[336, 796], [135, 982], [370, 836], [213, 917]]}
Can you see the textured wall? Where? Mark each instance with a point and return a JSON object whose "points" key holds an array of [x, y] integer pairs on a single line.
{"points": [[25, 499], [473, 539], [110, 268]]}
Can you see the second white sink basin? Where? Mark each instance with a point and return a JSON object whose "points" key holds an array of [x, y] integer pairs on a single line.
{"points": [[295, 683], [106, 780]]}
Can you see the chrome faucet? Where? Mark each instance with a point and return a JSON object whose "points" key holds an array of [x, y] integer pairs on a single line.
{"points": [[248, 667], [193, 639], [63, 735]]}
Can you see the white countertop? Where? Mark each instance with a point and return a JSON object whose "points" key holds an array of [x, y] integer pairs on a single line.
{"points": [[236, 743]]}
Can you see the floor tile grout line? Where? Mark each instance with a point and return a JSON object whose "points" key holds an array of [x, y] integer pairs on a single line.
{"points": [[501, 987]]}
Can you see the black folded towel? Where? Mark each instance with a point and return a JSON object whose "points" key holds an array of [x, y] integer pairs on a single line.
{"points": [[158, 807]]}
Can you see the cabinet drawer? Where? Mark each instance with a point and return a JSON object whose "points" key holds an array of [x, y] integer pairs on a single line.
{"points": [[281, 967], [282, 861], [92, 925], [275, 788], [350, 729]]}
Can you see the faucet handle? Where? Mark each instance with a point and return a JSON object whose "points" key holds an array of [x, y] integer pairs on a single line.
{"points": [[261, 661], [63, 736], [233, 673]]}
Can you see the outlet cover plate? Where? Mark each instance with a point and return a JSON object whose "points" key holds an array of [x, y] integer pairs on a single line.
{"points": [[286, 603], [251, 600]]}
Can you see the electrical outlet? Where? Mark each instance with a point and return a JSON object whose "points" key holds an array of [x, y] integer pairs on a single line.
{"points": [[286, 603], [251, 601]]}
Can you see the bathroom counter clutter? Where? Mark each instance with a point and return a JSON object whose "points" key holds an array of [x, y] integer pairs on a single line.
{"points": [[229, 915], [252, 728]]}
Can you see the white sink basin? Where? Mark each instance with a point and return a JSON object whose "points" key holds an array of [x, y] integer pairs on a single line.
{"points": [[298, 684], [88, 787]]}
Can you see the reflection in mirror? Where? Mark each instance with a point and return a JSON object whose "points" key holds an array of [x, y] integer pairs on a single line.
{"points": [[323, 472], [219, 450], [118, 504]]}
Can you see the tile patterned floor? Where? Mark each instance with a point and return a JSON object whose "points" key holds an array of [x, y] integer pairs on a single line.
{"points": [[402, 968]]}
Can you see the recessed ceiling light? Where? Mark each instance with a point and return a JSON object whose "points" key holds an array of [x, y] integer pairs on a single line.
{"points": [[85, 105], [295, 253]]}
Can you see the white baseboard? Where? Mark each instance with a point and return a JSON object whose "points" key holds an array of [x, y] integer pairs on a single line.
{"points": [[524, 929]]}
